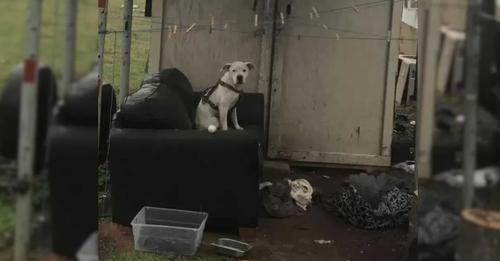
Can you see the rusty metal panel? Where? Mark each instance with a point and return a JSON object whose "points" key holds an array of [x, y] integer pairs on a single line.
{"points": [[333, 82]]}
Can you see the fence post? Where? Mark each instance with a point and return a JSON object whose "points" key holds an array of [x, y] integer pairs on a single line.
{"points": [[102, 6], [472, 45], [27, 129], [126, 43]]}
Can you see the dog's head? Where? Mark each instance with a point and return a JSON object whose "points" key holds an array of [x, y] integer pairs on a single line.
{"points": [[237, 71]]}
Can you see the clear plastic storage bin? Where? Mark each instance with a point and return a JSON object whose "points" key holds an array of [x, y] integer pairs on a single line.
{"points": [[166, 230]]}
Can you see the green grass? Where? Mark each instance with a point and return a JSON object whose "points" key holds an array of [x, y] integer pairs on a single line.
{"points": [[7, 222], [13, 30], [140, 45]]}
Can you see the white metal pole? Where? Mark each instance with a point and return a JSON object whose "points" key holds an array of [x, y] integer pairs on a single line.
{"points": [[126, 43], [102, 6], [472, 45], [69, 45], [27, 129]]}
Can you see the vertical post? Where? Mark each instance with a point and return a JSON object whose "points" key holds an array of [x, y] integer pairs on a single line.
{"points": [[102, 6], [155, 43], [126, 42], [27, 129], [428, 51], [266, 45], [472, 45], [69, 45]]}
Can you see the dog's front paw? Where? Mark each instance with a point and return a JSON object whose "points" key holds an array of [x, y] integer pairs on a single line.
{"points": [[239, 128]]}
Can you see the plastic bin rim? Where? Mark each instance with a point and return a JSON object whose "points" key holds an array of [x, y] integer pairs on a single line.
{"points": [[163, 226]]}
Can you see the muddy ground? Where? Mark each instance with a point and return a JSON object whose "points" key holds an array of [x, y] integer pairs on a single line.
{"points": [[292, 238]]}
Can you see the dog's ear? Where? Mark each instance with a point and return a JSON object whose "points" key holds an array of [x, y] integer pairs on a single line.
{"points": [[250, 66], [226, 67]]}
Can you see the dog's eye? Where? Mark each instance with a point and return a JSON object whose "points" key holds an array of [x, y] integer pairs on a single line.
{"points": [[244, 70], [234, 70]]}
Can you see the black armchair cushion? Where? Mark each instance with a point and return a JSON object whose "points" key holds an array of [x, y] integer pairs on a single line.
{"points": [[154, 106]]}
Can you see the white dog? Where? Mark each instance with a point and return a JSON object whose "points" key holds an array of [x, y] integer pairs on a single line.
{"points": [[217, 101]]}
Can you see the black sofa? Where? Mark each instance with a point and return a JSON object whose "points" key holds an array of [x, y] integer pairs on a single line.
{"points": [[190, 169], [72, 161]]}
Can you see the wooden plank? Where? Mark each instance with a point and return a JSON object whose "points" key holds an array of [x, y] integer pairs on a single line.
{"points": [[401, 84], [453, 13], [155, 43], [429, 19], [390, 80], [411, 83], [274, 128], [407, 45], [265, 58], [453, 34], [445, 62], [458, 69], [328, 157]]}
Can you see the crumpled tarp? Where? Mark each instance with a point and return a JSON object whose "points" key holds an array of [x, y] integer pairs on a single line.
{"points": [[438, 228], [277, 200], [372, 202], [286, 198]]}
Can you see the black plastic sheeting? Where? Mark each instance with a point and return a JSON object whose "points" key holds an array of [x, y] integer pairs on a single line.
{"points": [[438, 227], [162, 102], [9, 112], [277, 201]]}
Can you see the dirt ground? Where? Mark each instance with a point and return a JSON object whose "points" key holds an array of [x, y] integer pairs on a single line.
{"points": [[291, 238]]}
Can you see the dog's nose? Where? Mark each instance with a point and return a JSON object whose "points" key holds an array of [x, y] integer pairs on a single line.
{"points": [[239, 79]]}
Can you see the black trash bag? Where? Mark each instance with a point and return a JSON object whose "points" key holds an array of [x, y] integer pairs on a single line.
{"points": [[9, 112], [158, 104], [372, 202], [438, 227], [277, 201], [179, 83]]}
